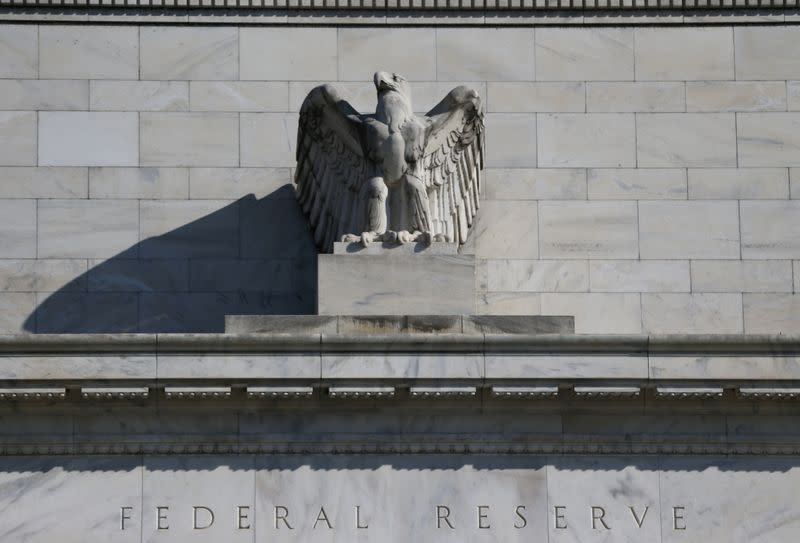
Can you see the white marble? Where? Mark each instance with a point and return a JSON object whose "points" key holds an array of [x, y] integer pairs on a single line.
{"points": [[283, 366], [71, 499], [725, 367], [181, 483], [529, 366], [388, 285], [402, 366], [731, 500], [603, 500], [47, 367], [78, 138], [398, 498]]}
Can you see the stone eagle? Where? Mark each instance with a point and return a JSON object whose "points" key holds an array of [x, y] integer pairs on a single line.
{"points": [[392, 176]]}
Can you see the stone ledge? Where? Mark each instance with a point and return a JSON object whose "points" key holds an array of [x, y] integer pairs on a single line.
{"points": [[389, 7], [139, 12], [11, 344], [358, 325]]}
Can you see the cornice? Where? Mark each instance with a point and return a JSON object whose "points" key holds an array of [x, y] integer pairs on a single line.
{"points": [[64, 344], [490, 13]]}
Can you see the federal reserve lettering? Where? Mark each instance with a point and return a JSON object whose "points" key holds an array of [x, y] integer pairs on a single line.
{"points": [[442, 517]]}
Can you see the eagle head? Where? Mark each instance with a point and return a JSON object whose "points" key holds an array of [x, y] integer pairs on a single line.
{"points": [[387, 82]]}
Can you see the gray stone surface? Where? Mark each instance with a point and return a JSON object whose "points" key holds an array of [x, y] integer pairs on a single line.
{"points": [[18, 131], [565, 230], [402, 50], [253, 96], [189, 53], [397, 324], [50, 485], [18, 229], [44, 182], [535, 184], [389, 285], [21, 94], [221, 183], [639, 275], [139, 95], [495, 225], [604, 54], [647, 97], [637, 184], [591, 311], [771, 313], [489, 498], [702, 313], [770, 229], [45, 275], [741, 276], [763, 53], [664, 54], [268, 140], [536, 97], [601, 140], [295, 54], [189, 139], [538, 275], [738, 184], [689, 229], [19, 53], [699, 140], [736, 96], [88, 139], [297, 366], [86, 228], [88, 52], [504, 366], [768, 139], [135, 183], [515, 146], [487, 49]]}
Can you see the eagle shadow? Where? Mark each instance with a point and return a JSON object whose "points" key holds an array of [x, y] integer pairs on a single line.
{"points": [[253, 256]]}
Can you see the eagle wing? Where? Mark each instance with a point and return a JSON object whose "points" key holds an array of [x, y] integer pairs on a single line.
{"points": [[331, 165], [452, 162]]}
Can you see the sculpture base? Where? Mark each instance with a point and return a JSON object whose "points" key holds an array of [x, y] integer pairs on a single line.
{"points": [[398, 324], [384, 279]]}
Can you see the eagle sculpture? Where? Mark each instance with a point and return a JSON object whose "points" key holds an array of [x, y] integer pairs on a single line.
{"points": [[393, 176]]}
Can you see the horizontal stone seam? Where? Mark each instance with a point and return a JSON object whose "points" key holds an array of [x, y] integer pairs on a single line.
{"points": [[563, 7], [154, 344], [442, 446]]}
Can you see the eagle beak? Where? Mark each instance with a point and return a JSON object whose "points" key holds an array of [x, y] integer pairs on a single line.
{"points": [[381, 81]]}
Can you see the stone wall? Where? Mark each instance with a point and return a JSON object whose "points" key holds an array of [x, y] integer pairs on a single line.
{"points": [[643, 179]]}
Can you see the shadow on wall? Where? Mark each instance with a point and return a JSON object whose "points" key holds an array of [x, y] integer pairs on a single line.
{"points": [[253, 256]]}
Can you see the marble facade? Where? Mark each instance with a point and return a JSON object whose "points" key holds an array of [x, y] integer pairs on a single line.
{"points": [[613, 355]]}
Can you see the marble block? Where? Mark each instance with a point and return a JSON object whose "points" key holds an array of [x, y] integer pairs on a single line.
{"points": [[396, 281]]}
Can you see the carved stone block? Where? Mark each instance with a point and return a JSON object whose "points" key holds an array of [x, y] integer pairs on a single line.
{"points": [[396, 281]]}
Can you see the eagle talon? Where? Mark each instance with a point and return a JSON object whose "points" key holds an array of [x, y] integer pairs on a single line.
{"points": [[369, 237], [404, 236]]}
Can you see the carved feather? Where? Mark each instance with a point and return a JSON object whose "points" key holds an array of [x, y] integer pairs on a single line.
{"points": [[452, 162], [331, 165]]}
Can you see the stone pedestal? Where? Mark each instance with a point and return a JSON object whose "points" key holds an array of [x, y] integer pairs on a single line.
{"points": [[396, 280], [399, 324]]}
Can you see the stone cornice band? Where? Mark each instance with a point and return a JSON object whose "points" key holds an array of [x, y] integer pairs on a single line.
{"points": [[433, 366]]}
